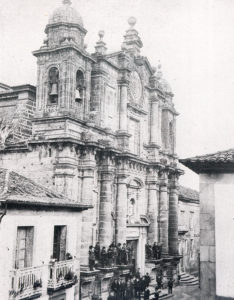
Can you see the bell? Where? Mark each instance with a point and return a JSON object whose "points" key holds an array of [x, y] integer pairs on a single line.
{"points": [[77, 96], [54, 90]]}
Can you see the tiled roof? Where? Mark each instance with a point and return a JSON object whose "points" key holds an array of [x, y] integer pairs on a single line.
{"points": [[218, 162], [188, 194], [17, 189]]}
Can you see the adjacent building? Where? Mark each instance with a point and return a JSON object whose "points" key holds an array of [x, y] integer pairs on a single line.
{"points": [[40, 234], [100, 129], [216, 173], [189, 230]]}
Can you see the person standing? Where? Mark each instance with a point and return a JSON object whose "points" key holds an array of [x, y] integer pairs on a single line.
{"points": [[159, 281], [138, 273], [119, 254], [156, 293], [147, 279], [147, 294], [110, 256], [103, 257], [154, 249], [97, 250], [91, 258], [124, 255], [170, 286]]}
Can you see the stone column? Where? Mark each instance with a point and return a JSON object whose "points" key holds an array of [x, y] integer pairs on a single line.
{"points": [[154, 130], [173, 218], [163, 216], [105, 208], [123, 106], [153, 211], [121, 209], [87, 167]]}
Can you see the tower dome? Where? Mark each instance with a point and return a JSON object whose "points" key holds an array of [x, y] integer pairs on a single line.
{"points": [[66, 14]]}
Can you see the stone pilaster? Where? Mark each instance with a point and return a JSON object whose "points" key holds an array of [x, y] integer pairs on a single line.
{"points": [[121, 209], [87, 167], [154, 130], [65, 171], [105, 208], [123, 105], [173, 217], [153, 209], [163, 214]]}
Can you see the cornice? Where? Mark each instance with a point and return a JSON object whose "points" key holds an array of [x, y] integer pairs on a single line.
{"points": [[63, 47]]}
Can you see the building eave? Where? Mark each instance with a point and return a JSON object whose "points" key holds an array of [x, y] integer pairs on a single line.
{"points": [[32, 205]]}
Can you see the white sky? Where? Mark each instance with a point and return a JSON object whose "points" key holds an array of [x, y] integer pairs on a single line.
{"points": [[194, 40]]}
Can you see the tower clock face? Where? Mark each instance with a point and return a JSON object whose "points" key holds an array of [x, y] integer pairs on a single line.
{"points": [[135, 86]]}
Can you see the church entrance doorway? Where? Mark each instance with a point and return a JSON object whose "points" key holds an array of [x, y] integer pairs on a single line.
{"points": [[133, 245]]}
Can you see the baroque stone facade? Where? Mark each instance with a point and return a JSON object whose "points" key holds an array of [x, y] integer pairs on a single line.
{"points": [[103, 133]]}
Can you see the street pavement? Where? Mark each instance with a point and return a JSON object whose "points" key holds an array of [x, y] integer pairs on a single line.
{"points": [[186, 292]]}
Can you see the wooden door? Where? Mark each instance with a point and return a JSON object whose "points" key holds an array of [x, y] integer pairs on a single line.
{"points": [[24, 247]]}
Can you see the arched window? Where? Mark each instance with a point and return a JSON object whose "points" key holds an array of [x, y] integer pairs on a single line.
{"points": [[53, 85], [79, 86]]}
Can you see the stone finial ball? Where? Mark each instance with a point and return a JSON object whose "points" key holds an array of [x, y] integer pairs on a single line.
{"points": [[132, 21], [101, 33]]}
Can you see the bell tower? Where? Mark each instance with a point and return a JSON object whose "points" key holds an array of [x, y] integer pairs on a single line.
{"points": [[64, 66]]}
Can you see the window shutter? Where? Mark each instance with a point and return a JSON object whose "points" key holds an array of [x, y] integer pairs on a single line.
{"points": [[29, 247], [24, 247], [63, 238]]}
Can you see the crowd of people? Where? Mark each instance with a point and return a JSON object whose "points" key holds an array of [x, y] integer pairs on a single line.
{"points": [[111, 256], [136, 287], [133, 287], [153, 251]]}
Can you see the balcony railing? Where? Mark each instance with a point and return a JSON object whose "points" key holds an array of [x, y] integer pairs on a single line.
{"points": [[62, 274], [26, 283]]}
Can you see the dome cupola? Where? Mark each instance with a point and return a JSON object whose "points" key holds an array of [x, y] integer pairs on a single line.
{"points": [[65, 27], [66, 14]]}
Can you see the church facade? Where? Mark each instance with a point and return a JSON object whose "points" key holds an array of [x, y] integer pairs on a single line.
{"points": [[100, 128]]}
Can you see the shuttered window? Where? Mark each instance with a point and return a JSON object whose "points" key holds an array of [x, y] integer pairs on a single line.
{"points": [[59, 247], [24, 247]]}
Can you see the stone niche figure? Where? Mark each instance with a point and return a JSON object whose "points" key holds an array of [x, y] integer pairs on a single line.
{"points": [[132, 210]]}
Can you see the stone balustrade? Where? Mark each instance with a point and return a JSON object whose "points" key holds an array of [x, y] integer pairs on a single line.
{"points": [[62, 273], [26, 282], [30, 283]]}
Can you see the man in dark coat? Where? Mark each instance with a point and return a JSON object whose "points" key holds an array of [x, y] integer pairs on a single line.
{"points": [[91, 258], [103, 257], [147, 279], [154, 250], [115, 287], [147, 294], [114, 254], [124, 255], [170, 286], [138, 273], [159, 281], [119, 254], [148, 251], [122, 289], [110, 256], [156, 293], [97, 250]]}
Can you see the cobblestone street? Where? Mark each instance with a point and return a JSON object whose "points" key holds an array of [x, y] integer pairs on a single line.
{"points": [[186, 292]]}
